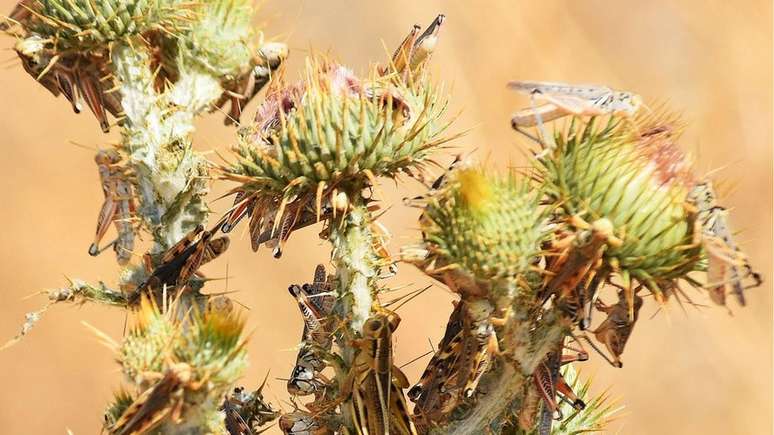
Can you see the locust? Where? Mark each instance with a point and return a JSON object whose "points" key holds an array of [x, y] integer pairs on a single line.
{"points": [[118, 207], [455, 370], [162, 400], [181, 262], [81, 78], [415, 50], [303, 423], [374, 384], [617, 327], [262, 226], [242, 89], [550, 384], [21, 13], [727, 265], [315, 302], [575, 264], [564, 99], [245, 412]]}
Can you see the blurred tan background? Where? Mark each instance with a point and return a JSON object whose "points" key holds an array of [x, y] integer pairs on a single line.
{"points": [[704, 372]]}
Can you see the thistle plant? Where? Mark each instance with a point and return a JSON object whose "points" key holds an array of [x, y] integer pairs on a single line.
{"points": [[610, 201]]}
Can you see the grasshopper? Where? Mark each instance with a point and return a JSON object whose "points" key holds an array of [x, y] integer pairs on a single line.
{"points": [[549, 383], [181, 262], [303, 423], [262, 213], [563, 99], [615, 330], [242, 89], [245, 412], [727, 265], [20, 14], [162, 400], [464, 355], [415, 50], [118, 208], [316, 304], [80, 78], [577, 260], [375, 383]]}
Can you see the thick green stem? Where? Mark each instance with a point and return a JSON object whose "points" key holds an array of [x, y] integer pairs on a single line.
{"points": [[356, 273], [354, 259]]}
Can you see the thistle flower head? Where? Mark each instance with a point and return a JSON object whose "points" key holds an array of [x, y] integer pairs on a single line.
{"points": [[318, 142], [88, 24], [479, 228], [210, 343], [637, 178], [221, 42]]}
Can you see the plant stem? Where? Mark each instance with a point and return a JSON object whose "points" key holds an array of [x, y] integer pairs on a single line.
{"points": [[354, 259], [170, 176]]}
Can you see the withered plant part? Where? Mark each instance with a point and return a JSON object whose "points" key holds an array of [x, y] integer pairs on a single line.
{"points": [[727, 265], [118, 208]]}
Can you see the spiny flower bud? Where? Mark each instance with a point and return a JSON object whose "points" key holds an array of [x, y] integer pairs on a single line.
{"points": [[211, 344], [318, 142], [86, 24], [637, 178], [221, 42], [479, 229]]}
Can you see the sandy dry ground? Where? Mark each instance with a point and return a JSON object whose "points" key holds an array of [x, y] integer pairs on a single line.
{"points": [[704, 372]]}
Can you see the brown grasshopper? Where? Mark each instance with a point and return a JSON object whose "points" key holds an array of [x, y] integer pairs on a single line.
{"points": [[615, 330], [164, 399], [80, 78], [246, 412], [303, 423], [181, 262], [241, 90], [415, 50], [262, 225], [316, 304], [21, 14], [550, 384], [576, 260], [464, 355], [118, 208], [727, 265], [375, 384]]}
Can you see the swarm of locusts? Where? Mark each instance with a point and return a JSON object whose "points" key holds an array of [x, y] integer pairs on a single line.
{"points": [[609, 202]]}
